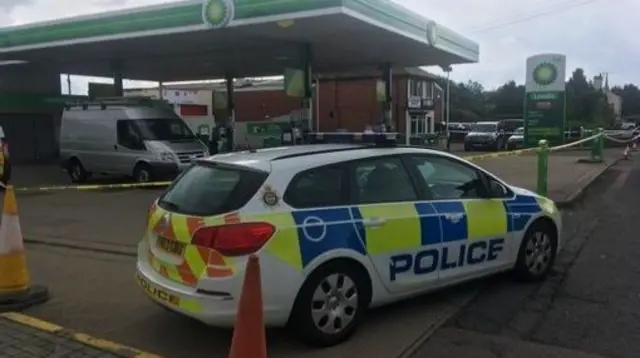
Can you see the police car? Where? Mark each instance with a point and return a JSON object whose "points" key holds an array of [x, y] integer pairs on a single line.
{"points": [[338, 228]]}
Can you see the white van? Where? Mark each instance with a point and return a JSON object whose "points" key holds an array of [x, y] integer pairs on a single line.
{"points": [[137, 137]]}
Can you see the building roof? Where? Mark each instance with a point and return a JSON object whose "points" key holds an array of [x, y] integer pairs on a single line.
{"points": [[178, 42]]}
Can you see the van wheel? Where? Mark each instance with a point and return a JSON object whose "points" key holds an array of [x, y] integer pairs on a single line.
{"points": [[76, 171], [330, 304], [142, 173], [537, 252]]}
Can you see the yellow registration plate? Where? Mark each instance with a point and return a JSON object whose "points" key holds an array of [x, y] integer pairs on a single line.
{"points": [[156, 292], [171, 246]]}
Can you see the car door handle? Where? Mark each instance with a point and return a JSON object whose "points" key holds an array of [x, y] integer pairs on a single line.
{"points": [[374, 222]]}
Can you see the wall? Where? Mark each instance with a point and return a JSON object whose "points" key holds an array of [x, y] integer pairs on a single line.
{"points": [[257, 105], [615, 102], [202, 97], [29, 79], [31, 123]]}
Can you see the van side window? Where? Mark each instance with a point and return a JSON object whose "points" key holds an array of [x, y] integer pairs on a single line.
{"points": [[127, 134]]}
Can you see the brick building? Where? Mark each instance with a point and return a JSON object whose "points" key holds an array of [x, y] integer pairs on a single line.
{"points": [[346, 101]]}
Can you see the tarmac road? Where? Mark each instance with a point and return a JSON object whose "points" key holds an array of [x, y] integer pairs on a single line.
{"points": [[590, 307]]}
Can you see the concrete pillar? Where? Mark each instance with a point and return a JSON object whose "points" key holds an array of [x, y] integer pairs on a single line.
{"points": [[231, 111], [387, 77], [116, 69], [307, 59]]}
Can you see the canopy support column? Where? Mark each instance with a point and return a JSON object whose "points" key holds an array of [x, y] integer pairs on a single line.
{"points": [[387, 78], [307, 58], [231, 113], [116, 69]]}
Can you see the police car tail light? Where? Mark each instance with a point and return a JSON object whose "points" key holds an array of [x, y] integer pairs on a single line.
{"points": [[234, 239]]}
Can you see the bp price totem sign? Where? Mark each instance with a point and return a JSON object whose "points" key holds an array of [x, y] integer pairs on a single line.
{"points": [[544, 104]]}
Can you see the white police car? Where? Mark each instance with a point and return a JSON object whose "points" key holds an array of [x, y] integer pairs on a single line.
{"points": [[338, 228]]}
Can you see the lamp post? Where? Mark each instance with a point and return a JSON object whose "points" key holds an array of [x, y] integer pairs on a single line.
{"points": [[447, 69]]}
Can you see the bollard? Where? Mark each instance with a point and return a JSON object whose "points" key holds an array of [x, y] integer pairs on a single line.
{"points": [[543, 166], [601, 143], [597, 147], [582, 136]]}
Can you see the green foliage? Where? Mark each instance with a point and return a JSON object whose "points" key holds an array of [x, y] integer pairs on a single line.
{"points": [[630, 99], [586, 106]]}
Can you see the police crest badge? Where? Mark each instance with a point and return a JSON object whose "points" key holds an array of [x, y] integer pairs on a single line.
{"points": [[270, 196]]}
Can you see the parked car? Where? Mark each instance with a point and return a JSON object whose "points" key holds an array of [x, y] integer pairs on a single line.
{"points": [[491, 135], [338, 228], [516, 140]]}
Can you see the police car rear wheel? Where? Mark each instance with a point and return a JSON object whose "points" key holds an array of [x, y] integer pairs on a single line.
{"points": [[537, 252], [330, 305]]}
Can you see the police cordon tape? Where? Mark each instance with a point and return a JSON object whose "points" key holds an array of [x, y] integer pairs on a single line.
{"points": [[626, 141], [475, 158], [90, 187]]}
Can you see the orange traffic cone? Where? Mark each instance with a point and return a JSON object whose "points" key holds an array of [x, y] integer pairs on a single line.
{"points": [[15, 291], [249, 338]]}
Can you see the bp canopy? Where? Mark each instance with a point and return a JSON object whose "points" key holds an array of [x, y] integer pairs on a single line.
{"points": [[195, 39]]}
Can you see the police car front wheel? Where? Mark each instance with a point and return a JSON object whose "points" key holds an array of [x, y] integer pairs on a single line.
{"points": [[537, 252], [330, 304]]}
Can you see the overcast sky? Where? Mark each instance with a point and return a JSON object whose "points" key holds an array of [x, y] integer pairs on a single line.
{"points": [[596, 35]]}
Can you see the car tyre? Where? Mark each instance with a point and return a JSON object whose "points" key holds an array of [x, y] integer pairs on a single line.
{"points": [[76, 171], [143, 173], [336, 295], [537, 253]]}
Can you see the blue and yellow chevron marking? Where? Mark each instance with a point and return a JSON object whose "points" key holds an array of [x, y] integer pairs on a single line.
{"points": [[521, 209], [453, 220], [430, 227], [324, 230], [304, 235], [401, 230]]}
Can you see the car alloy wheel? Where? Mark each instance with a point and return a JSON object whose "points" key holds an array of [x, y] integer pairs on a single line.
{"points": [[334, 303]]}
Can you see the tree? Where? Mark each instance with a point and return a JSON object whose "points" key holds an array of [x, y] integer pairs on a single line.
{"points": [[586, 105], [467, 100], [630, 99], [506, 101]]}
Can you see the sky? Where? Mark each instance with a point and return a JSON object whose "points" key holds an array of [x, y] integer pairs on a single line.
{"points": [[596, 35]]}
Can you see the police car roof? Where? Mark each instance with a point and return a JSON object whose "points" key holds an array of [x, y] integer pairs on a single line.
{"points": [[309, 155]]}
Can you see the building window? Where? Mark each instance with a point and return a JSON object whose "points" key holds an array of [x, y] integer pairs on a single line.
{"points": [[416, 87]]}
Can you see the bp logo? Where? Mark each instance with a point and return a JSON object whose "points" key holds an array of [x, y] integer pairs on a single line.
{"points": [[218, 13], [545, 74]]}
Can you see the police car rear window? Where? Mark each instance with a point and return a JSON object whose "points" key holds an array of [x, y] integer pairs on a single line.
{"points": [[206, 189]]}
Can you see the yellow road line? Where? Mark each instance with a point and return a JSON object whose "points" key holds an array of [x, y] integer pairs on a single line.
{"points": [[90, 341], [32, 322]]}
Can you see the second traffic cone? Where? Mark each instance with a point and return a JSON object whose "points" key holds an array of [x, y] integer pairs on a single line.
{"points": [[249, 337], [634, 146], [626, 153], [15, 291]]}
